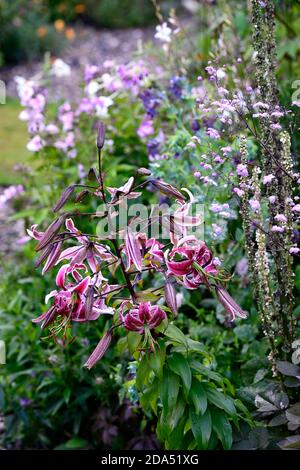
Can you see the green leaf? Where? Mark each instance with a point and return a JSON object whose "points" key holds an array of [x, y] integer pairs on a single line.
{"points": [[192, 346], [202, 370], [176, 413], [175, 334], [133, 340], [218, 399], [222, 428], [142, 374], [180, 366], [146, 296], [169, 389], [156, 362], [67, 394], [198, 397], [201, 428], [149, 397], [74, 443], [175, 439]]}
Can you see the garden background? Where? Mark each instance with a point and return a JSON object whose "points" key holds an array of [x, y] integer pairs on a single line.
{"points": [[203, 95]]}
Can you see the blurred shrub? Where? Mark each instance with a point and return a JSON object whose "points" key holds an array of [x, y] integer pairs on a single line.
{"points": [[25, 32]]}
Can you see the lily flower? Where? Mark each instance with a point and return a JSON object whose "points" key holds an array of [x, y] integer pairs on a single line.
{"points": [[70, 301], [89, 251], [144, 316], [191, 260], [125, 190]]}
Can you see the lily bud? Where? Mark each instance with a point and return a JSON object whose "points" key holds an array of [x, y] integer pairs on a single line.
{"points": [[53, 256], [170, 295], [167, 189], [229, 304], [50, 233], [144, 171], [45, 253], [100, 350], [133, 251], [80, 196], [100, 135], [66, 194]]}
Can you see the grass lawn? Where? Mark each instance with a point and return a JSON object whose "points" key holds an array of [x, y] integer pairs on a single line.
{"points": [[13, 140]]}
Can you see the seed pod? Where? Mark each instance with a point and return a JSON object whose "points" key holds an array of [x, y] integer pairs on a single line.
{"points": [[92, 175], [53, 256], [230, 305], [100, 350], [51, 231], [66, 194], [167, 189], [45, 253], [100, 135], [170, 295], [144, 171], [80, 196]]}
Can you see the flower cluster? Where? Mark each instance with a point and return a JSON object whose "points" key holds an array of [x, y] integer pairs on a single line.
{"points": [[84, 288]]}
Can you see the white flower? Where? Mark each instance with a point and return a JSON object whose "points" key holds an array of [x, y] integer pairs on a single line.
{"points": [[24, 115], [221, 74], [163, 33], [92, 88], [104, 103], [35, 144], [60, 68]]}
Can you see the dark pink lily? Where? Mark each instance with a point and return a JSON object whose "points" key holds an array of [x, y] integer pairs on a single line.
{"points": [[71, 299], [184, 260], [145, 315], [90, 251]]}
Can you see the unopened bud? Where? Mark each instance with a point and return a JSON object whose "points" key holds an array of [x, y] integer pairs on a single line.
{"points": [[100, 135]]}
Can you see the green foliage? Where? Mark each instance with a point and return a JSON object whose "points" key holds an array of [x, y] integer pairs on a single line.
{"points": [[195, 406], [20, 36]]}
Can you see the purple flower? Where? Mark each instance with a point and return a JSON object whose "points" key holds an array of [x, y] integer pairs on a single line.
{"points": [[254, 204], [151, 100], [268, 179], [153, 147], [146, 128], [212, 133], [242, 170], [90, 72], [277, 229], [176, 86], [280, 218], [24, 402]]}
